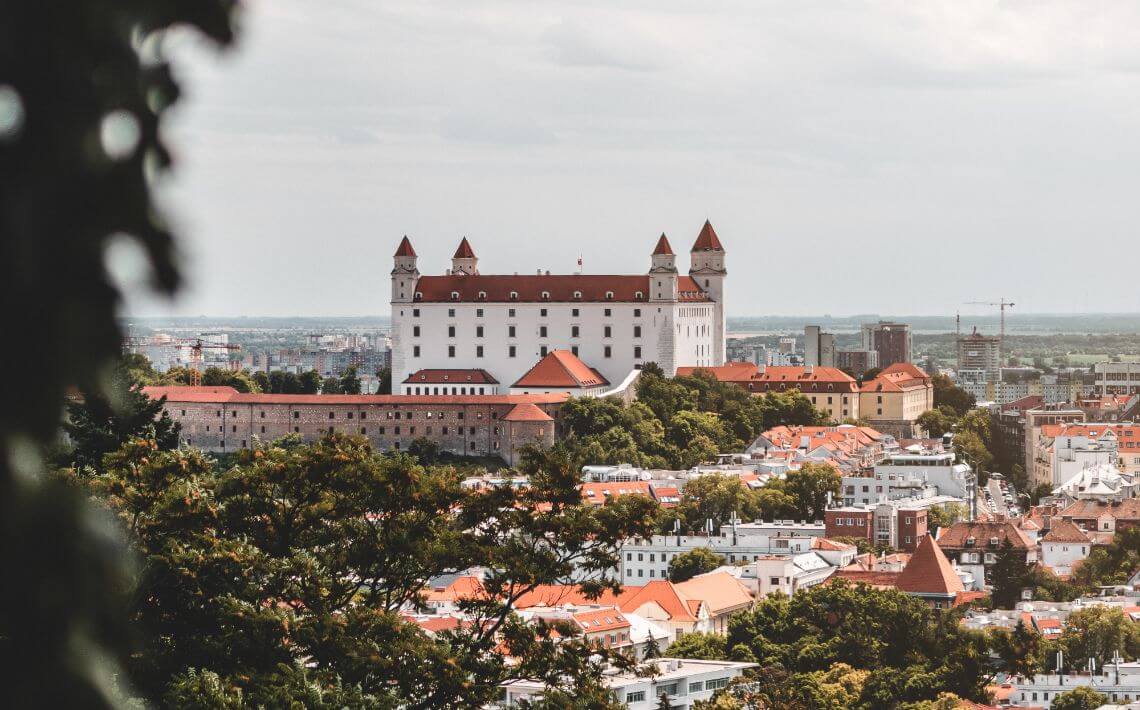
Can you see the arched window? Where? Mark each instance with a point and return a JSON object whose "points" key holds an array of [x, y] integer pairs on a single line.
{"points": [[578, 295], [609, 295], [514, 295], [546, 295], [638, 296], [482, 296], [455, 295]]}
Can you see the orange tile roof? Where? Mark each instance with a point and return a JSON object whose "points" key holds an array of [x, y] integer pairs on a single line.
{"points": [[665, 595], [1127, 509], [1064, 531], [878, 580], [561, 368], [929, 572], [560, 287], [228, 395], [719, 590], [600, 493], [527, 412], [464, 251], [728, 372], [982, 530], [707, 239], [551, 595], [465, 587], [405, 248], [600, 620], [451, 377], [663, 248]]}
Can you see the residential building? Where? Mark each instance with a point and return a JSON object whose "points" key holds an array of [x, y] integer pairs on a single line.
{"points": [[975, 545], [1039, 436], [1117, 378], [896, 398], [645, 560], [1103, 516], [1063, 546], [912, 474], [221, 419], [830, 389], [899, 524], [789, 574], [504, 323], [1117, 680], [449, 382], [849, 449], [683, 681], [1101, 482], [891, 341], [856, 362], [819, 347]]}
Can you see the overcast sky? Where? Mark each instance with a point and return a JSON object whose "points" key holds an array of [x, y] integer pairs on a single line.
{"points": [[892, 157]]}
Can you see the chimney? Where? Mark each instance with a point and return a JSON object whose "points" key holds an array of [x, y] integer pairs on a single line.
{"points": [[809, 369]]}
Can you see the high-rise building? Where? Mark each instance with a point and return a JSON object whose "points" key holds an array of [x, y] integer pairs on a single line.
{"points": [[856, 361], [892, 341], [979, 353], [819, 347]]}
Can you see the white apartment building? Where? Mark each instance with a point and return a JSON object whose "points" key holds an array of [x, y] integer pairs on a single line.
{"points": [[1119, 681], [504, 324], [684, 681], [788, 574], [1079, 448], [1117, 377], [912, 475], [646, 560]]}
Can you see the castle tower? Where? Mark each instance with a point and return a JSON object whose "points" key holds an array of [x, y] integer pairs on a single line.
{"points": [[465, 261], [663, 272], [405, 273], [707, 268]]}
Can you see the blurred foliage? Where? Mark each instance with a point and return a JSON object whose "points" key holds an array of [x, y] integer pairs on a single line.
{"points": [[83, 88]]}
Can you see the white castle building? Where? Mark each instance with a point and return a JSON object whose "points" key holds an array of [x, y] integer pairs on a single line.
{"points": [[444, 328]]}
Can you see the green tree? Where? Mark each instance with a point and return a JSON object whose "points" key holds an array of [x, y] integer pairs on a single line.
{"points": [[100, 421], [84, 94], [717, 498], [1009, 576], [308, 382], [1082, 698], [384, 377], [689, 564], [331, 385], [652, 648], [1099, 632], [811, 486], [936, 422], [425, 450], [349, 381], [1020, 650], [700, 646], [944, 516], [220, 377], [312, 551], [948, 394]]}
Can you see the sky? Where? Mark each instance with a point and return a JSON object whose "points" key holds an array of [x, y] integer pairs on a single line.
{"points": [[854, 157]]}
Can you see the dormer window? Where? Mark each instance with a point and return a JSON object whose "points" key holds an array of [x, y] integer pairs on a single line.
{"points": [[482, 296], [455, 295], [578, 295], [609, 295], [638, 296], [419, 295], [546, 295], [514, 296]]}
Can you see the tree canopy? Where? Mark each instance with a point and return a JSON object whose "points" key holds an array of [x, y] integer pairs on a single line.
{"points": [[689, 564]]}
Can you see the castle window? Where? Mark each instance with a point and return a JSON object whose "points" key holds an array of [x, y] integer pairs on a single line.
{"points": [[542, 331], [638, 296], [478, 312], [608, 312], [416, 311], [609, 295], [573, 331], [511, 351], [577, 294], [637, 352], [419, 297], [510, 313], [574, 349], [478, 351], [478, 331], [415, 331], [415, 351], [546, 295], [455, 295], [451, 351], [542, 312], [609, 351], [637, 331], [510, 331], [482, 296], [450, 312], [574, 312], [514, 297], [608, 331], [637, 311], [451, 331]]}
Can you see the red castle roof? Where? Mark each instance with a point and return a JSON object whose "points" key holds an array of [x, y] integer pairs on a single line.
{"points": [[405, 248], [663, 248], [561, 368], [539, 288], [464, 251], [707, 239]]}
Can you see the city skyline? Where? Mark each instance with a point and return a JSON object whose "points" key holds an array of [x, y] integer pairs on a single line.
{"points": [[910, 154]]}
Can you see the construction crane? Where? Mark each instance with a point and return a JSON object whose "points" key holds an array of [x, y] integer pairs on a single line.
{"points": [[196, 346], [1002, 304]]}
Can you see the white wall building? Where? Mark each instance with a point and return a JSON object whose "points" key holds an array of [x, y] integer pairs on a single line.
{"points": [[505, 324], [684, 681]]}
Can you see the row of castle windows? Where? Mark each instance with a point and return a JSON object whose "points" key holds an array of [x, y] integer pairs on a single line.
{"points": [[512, 351], [575, 331], [542, 312]]}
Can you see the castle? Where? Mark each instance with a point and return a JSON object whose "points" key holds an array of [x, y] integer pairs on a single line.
{"points": [[466, 332]]}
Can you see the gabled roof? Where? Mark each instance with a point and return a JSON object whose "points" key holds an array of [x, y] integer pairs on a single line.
{"points": [[464, 251], [527, 412], [602, 493], [1065, 531], [450, 377], [956, 535], [929, 572], [663, 248], [561, 368], [405, 248], [598, 620], [549, 595], [720, 591], [465, 587], [547, 288], [707, 239], [665, 595]]}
